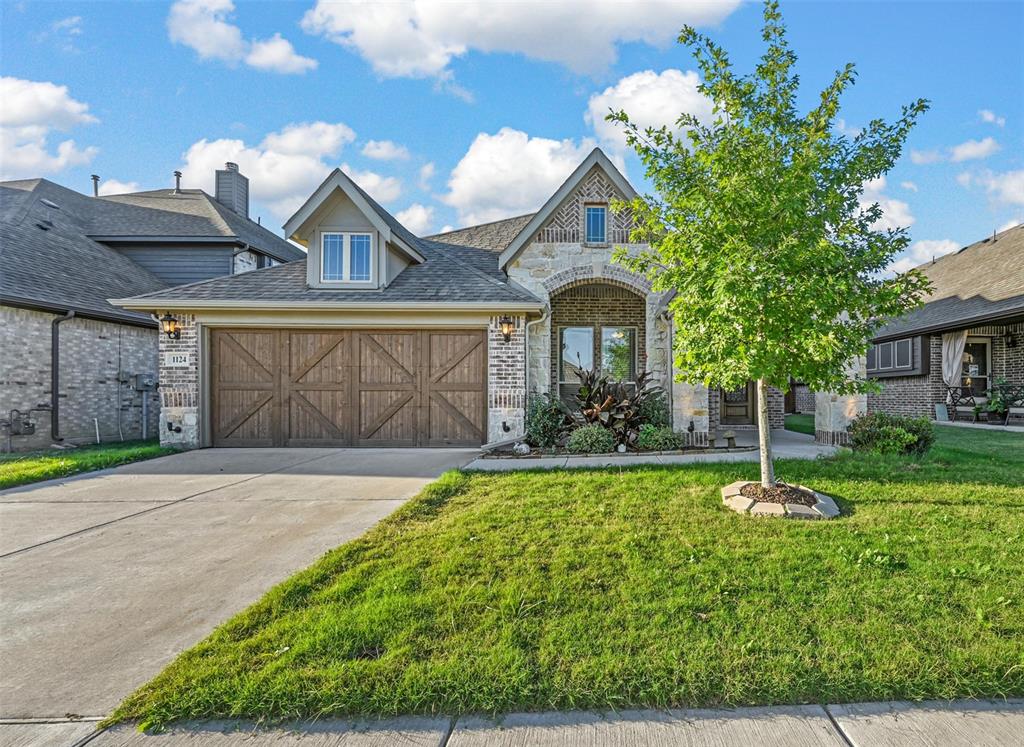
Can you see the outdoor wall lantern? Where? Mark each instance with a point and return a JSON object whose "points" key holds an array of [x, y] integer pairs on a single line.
{"points": [[507, 325], [170, 327], [1010, 339]]}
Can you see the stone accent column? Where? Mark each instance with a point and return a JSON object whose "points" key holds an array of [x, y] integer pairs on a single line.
{"points": [[179, 385], [506, 381], [833, 413], [690, 405]]}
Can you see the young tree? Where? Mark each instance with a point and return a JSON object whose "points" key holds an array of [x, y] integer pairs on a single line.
{"points": [[759, 226]]}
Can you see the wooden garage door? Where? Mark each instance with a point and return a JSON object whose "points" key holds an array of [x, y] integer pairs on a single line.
{"points": [[292, 387]]}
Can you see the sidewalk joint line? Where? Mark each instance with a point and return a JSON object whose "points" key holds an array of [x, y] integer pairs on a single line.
{"points": [[448, 734], [175, 502], [837, 727]]}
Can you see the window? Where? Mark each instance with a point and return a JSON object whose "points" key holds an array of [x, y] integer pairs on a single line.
{"points": [[975, 366], [596, 215], [618, 353], [577, 353], [891, 356], [346, 257]]}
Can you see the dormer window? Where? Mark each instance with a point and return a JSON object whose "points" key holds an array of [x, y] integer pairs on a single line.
{"points": [[596, 217], [346, 257]]}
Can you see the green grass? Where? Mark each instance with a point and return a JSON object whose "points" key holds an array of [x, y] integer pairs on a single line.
{"points": [[28, 467], [801, 423], [636, 587]]}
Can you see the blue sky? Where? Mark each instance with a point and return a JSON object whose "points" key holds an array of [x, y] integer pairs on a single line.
{"points": [[477, 111]]}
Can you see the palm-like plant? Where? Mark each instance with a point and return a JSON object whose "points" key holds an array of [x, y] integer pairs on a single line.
{"points": [[616, 405]]}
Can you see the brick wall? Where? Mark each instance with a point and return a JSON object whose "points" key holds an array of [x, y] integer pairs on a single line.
{"points": [[804, 398], [917, 396], [97, 359], [179, 385], [598, 305], [506, 381]]}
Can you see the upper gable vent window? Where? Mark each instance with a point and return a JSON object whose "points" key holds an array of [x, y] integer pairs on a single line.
{"points": [[346, 257], [596, 221]]}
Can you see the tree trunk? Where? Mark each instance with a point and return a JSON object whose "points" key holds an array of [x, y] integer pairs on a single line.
{"points": [[764, 436]]}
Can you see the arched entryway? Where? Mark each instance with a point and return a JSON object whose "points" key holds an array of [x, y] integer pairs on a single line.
{"points": [[596, 324]]}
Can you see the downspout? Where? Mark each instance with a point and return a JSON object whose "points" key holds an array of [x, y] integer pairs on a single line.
{"points": [[670, 384], [55, 375], [526, 343]]}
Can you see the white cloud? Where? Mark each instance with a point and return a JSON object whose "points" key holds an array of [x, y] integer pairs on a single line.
{"points": [[419, 38], [417, 218], [278, 55], [510, 173], [71, 25], [1005, 188], [31, 110], [650, 99], [115, 187], [385, 150], [203, 25], [964, 178], [909, 186], [895, 213], [921, 157], [990, 117], [846, 129], [283, 169], [1010, 224], [426, 174], [921, 252], [973, 149], [31, 103], [380, 188]]}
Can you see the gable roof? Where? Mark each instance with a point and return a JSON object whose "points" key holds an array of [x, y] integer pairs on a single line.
{"points": [[57, 267], [980, 283], [494, 236], [451, 276], [597, 158], [389, 226]]}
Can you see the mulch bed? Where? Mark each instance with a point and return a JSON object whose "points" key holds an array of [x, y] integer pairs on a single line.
{"points": [[781, 493]]}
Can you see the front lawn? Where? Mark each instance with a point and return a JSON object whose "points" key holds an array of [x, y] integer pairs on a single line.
{"points": [[800, 423], [33, 466], [636, 587]]}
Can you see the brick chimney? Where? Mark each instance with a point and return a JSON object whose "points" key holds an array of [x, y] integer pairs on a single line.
{"points": [[233, 189]]}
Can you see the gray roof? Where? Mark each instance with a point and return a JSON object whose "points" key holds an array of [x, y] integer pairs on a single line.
{"points": [[189, 213], [979, 284], [62, 268], [494, 236], [450, 274]]}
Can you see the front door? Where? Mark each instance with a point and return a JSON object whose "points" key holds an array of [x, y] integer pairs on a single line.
{"points": [[738, 405]]}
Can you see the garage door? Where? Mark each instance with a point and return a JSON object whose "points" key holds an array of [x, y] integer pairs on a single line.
{"points": [[301, 387]]}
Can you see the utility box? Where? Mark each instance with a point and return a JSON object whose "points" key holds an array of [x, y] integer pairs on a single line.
{"points": [[144, 382]]}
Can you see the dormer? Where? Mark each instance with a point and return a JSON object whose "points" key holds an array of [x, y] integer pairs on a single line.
{"points": [[351, 241]]}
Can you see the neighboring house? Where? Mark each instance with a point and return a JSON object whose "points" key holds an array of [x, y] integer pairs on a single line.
{"points": [[381, 338], [62, 255], [968, 336]]}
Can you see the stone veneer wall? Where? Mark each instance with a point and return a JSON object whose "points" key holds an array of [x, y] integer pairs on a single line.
{"points": [[506, 381], [179, 386], [97, 359], [243, 262]]}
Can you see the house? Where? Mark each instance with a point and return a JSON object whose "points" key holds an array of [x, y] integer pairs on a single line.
{"points": [[75, 367], [967, 337], [383, 338]]}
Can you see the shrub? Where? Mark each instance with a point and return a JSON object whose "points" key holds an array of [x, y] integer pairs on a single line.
{"points": [[658, 438], [546, 420], [614, 405], [591, 439], [654, 410], [891, 434]]}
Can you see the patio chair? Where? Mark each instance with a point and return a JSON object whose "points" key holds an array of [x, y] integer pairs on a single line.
{"points": [[962, 400], [1015, 396]]}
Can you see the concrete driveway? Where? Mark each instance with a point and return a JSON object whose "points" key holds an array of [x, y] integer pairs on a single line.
{"points": [[104, 578]]}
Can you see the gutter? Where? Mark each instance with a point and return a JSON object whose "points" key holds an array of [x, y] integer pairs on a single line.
{"points": [[149, 304], [55, 374], [955, 326], [57, 308]]}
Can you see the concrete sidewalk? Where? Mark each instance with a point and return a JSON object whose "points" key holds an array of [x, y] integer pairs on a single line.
{"points": [[785, 445], [970, 723]]}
